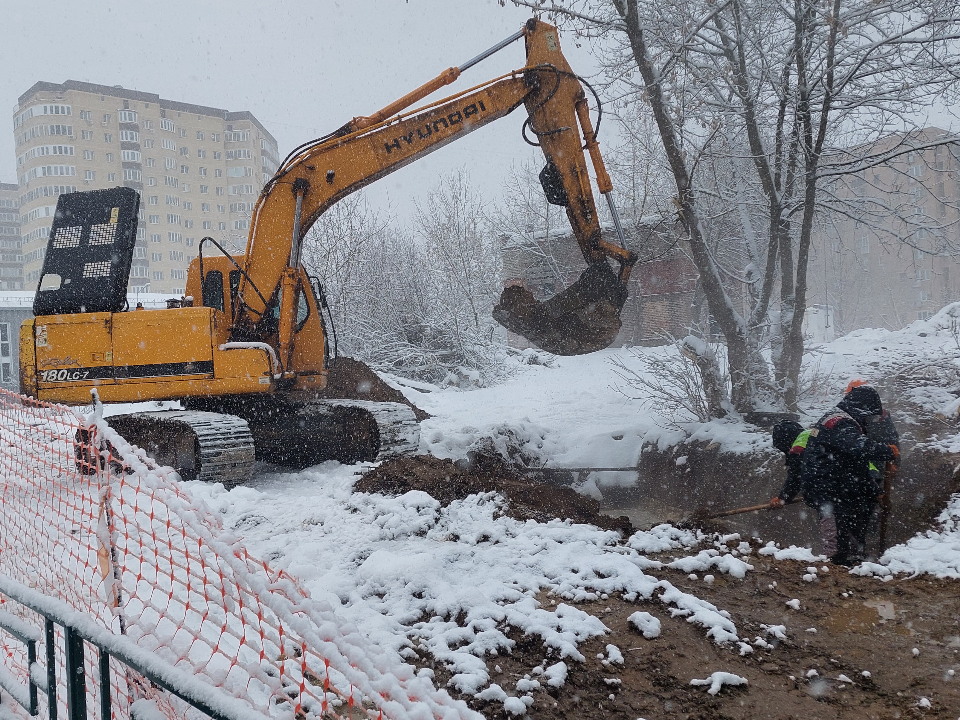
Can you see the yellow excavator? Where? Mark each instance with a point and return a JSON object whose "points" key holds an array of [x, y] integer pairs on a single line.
{"points": [[246, 351]]}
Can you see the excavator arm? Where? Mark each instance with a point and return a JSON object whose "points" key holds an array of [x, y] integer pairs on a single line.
{"points": [[581, 319]]}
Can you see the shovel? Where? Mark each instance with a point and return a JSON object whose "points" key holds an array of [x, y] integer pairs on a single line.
{"points": [[702, 515]]}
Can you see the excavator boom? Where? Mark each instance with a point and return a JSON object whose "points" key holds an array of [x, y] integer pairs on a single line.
{"points": [[583, 319]]}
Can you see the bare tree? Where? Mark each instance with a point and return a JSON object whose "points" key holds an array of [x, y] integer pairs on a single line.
{"points": [[752, 101]]}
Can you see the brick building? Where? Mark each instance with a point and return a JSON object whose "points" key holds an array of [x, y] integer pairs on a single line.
{"points": [[661, 287]]}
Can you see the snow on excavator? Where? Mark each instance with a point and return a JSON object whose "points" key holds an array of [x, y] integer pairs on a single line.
{"points": [[247, 352]]}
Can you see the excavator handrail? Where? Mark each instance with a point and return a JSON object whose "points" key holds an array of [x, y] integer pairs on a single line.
{"points": [[235, 264]]}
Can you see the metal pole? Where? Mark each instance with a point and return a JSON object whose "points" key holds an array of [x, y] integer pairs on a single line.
{"points": [[50, 638], [495, 49], [76, 683], [104, 685], [621, 238]]}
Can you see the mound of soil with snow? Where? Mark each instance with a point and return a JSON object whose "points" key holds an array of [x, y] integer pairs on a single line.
{"points": [[446, 481], [354, 380]]}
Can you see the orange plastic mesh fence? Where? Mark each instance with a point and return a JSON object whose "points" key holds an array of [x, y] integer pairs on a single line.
{"points": [[88, 519]]}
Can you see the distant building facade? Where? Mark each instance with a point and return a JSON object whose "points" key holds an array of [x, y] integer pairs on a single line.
{"points": [[661, 288], [893, 257], [11, 267], [198, 170]]}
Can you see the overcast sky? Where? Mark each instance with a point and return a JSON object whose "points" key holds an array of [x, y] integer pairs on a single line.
{"points": [[302, 68]]}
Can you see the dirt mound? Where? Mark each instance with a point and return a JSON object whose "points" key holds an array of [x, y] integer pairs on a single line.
{"points": [[354, 380], [446, 482]]}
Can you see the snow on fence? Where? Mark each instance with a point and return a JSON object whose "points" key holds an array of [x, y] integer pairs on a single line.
{"points": [[90, 520]]}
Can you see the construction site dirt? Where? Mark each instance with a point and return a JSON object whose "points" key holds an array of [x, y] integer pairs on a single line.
{"points": [[857, 649]]}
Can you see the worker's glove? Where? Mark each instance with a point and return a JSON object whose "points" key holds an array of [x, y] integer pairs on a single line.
{"points": [[896, 452], [777, 502]]}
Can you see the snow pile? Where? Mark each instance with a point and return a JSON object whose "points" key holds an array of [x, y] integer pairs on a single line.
{"points": [[453, 582], [646, 624], [934, 552], [718, 679]]}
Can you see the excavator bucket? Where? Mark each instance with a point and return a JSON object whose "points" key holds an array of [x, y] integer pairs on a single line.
{"points": [[582, 319]]}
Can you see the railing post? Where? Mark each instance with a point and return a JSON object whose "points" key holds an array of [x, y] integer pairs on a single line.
{"points": [[76, 683], [104, 684], [32, 688], [51, 668]]}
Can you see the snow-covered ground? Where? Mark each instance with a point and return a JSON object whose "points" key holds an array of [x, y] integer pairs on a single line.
{"points": [[458, 582]]}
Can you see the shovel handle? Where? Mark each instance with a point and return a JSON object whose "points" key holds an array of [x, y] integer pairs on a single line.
{"points": [[764, 506]]}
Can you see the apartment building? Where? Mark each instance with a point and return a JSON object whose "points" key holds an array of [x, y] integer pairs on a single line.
{"points": [[892, 256], [11, 269], [198, 170]]}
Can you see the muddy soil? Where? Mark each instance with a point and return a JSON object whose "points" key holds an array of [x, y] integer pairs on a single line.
{"points": [[446, 481], [352, 379], [904, 633]]}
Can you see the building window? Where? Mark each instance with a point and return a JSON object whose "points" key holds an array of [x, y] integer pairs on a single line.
{"points": [[203, 172], [917, 254], [183, 132], [174, 237], [188, 223], [176, 256], [924, 315], [215, 137], [204, 189], [153, 200], [109, 157], [187, 205], [205, 207], [106, 118], [863, 245], [89, 175], [185, 187], [223, 226], [148, 144], [148, 124], [218, 172], [168, 144], [151, 181], [201, 153], [131, 174], [86, 134], [217, 155], [150, 162], [207, 224], [185, 151], [130, 155], [127, 116], [184, 169], [108, 137], [158, 275], [221, 208], [5, 342], [88, 154], [111, 177], [155, 237], [156, 257], [219, 191], [139, 253], [86, 115], [199, 135], [173, 219], [154, 220], [167, 125], [169, 163], [129, 136]]}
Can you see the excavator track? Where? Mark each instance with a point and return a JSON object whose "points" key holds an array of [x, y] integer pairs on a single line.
{"points": [[305, 433], [208, 446]]}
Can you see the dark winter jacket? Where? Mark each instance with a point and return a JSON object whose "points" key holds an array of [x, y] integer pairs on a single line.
{"points": [[836, 462], [794, 462]]}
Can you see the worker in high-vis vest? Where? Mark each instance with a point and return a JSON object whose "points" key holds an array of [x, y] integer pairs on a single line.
{"points": [[837, 475]]}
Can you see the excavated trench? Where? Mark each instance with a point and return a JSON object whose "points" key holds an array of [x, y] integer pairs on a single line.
{"points": [[694, 478]]}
